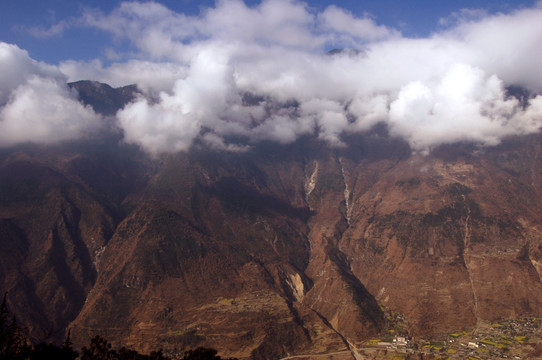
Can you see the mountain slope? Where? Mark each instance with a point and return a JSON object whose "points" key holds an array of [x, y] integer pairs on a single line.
{"points": [[283, 249]]}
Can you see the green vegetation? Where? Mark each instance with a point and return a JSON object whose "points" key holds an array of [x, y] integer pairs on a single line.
{"points": [[372, 342], [227, 301], [506, 339], [521, 339], [458, 334], [493, 343], [489, 342]]}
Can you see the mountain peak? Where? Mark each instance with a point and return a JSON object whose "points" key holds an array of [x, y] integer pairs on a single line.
{"points": [[103, 98]]}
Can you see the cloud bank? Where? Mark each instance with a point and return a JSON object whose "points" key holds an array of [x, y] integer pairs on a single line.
{"points": [[262, 73], [36, 104]]}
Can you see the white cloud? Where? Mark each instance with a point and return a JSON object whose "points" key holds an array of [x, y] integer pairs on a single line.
{"points": [[507, 45], [444, 88], [55, 30], [463, 16], [345, 28], [430, 91], [199, 99], [16, 66], [368, 111], [329, 116], [36, 105], [278, 22], [158, 128], [464, 105], [150, 77], [216, 142], [44, 111]]}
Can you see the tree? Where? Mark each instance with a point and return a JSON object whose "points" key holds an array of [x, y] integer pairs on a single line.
{"points": [[68, 349], [50, 351], [202, 353], [157, 355], [99, 349], [14, 345], [44, 351], [13, 342]]}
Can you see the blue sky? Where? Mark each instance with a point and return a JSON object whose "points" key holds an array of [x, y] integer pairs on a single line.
{"points": [[414, 18]]}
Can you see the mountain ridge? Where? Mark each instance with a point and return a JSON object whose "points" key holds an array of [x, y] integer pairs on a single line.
{"points": [[278, 250]]}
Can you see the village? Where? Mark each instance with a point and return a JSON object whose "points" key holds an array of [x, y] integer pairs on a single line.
{"points": [[510, 339]]}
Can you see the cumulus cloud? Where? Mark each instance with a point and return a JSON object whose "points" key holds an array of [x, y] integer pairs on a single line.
{"points": [[15, 66], [345, 28], [173, 122], [55, 30], [36, 104], [465, 105], [506, 45], [151, 77], [262, 73]]}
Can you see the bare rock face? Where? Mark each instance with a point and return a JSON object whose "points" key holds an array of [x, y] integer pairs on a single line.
{"points": [[281, 250], [51, 231], [450, 243], [225, 261]]}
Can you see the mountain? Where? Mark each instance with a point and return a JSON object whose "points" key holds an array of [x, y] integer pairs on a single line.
{"points": [[282, 249], [103, 98]]}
